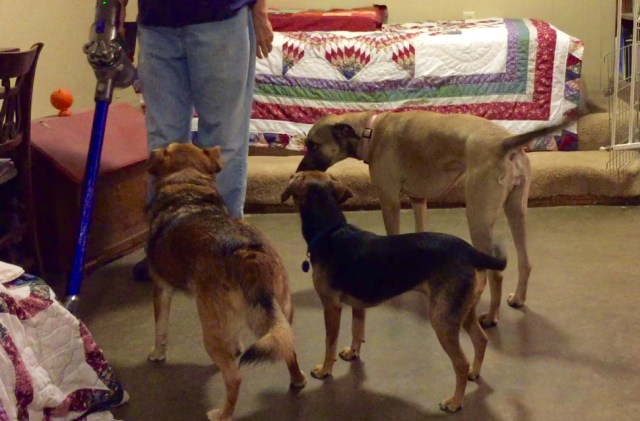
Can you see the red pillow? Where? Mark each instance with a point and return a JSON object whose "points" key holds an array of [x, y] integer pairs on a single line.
{"points": [[357, 19]]}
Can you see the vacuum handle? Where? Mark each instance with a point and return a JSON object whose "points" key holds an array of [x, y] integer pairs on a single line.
{"points": [[105, 53], [105, 25]]}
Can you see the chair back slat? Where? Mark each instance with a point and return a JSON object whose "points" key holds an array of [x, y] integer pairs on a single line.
{"points": [[19, 242], [17, 71]]}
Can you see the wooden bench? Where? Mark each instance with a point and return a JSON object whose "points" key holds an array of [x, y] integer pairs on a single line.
{"points": [[60, 146]]}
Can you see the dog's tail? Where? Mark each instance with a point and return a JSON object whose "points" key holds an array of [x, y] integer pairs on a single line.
{"points": [[265, 317], [277, 342], [520, 140], [497, 260]]}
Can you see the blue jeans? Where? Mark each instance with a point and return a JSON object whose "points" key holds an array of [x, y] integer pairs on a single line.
{"points": [[208, 67]]}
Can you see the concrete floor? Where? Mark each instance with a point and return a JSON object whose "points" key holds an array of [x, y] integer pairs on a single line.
{"points": [[570, 354]]}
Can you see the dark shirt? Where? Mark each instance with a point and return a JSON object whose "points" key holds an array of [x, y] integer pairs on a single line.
{"points": [[177, 13]]}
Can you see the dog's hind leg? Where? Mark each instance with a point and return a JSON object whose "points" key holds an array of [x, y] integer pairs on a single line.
{"points": [[448, 332], [419, 206], [225, 360], [483, 203], [352, 352], [515, 209], [220, 343], [478, 339], [481, 239], [297, 378], [390, 206], [473, 328], [162, 293]]}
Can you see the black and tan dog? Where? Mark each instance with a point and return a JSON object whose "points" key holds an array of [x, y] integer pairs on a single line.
{"points": [[237, 277], [363, 269]]}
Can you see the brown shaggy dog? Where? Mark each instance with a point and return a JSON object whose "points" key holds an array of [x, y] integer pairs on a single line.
{"points": [[235, 274]]}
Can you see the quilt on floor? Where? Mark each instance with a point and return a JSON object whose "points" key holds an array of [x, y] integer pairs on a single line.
{"points": [[51, 367], [522, 73]]}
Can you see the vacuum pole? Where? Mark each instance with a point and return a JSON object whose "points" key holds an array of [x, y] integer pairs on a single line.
{"points": [[112, 68]]}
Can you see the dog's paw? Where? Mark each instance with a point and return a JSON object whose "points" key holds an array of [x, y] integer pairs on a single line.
{"points": [[319, 373], [299, 382], [157, 355], [515, 302], [473, 375], [486, 321], [216, 415], [349, 354], [450, 405]]}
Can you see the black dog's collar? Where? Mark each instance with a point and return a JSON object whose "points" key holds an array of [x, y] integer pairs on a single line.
{"points": [[314, 243]]}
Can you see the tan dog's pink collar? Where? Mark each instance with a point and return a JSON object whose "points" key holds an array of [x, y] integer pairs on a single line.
{"points": [[365, 139]]}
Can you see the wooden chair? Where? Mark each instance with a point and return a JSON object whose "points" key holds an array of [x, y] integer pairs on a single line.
{"points": [[18, 233]]}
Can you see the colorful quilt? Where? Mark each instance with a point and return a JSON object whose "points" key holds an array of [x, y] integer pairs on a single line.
{"points": [[51, 369], [524, 74]]}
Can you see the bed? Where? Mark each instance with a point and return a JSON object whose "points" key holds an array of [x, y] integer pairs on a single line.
{"points": [[524, 74], [50, 366]]}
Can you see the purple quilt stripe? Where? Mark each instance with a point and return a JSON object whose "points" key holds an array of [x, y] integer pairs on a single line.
{"points": [[38, 300], [23, 387], [3, 414], [510, 74]]}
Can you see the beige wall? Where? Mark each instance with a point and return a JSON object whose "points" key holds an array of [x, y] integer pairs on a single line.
{"points": [[63, 26]]}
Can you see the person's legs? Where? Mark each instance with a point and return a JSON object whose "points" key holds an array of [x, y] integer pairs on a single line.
{"points": [[164, 74], [166, 90], [221, 57]]}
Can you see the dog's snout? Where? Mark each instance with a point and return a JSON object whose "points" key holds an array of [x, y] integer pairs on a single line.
{"points": [[310, 163], [304, 165]]}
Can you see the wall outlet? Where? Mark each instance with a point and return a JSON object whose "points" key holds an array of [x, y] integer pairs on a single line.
{"points": [[468, 15]]}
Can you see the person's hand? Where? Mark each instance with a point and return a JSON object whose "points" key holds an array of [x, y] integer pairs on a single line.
{"points": [[121, 16], [263, 29]]}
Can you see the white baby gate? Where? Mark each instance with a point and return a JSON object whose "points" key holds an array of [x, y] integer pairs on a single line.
{"points": [[623, 89]]}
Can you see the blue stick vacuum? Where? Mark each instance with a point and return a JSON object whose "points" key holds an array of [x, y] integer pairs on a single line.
{"points": [[113, 69]]}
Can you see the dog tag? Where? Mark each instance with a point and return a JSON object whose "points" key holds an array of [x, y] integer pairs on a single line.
{"points": [[305, 266]]}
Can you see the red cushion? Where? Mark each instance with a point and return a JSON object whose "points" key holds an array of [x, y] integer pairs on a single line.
{"points": [[65, 140], [356, 19]]}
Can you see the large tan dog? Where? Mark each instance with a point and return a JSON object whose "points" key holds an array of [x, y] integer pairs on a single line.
{"points": [[422, 154], [237, 277]]}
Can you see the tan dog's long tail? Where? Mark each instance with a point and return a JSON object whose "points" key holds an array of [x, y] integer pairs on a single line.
{"points": [[520, 140], [265, 316]]}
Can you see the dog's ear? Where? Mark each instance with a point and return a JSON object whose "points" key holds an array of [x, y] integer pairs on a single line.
{"points": [[340, 191], [155, 161], [343, 195], [286, 194], [215, 158], [342, 131], [344, 134]]}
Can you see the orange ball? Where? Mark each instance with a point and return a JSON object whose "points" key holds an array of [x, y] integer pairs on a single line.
{"points": [[62, 99]]}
